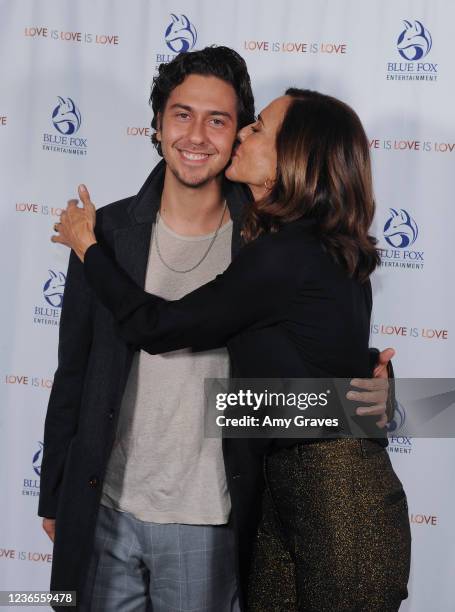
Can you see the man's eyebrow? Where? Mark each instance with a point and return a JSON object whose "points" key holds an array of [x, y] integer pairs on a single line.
{"points": [[184, 106], [222, 113], [210, 112]]}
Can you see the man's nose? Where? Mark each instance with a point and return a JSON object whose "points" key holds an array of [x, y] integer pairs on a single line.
{"points": [[197, 132]]}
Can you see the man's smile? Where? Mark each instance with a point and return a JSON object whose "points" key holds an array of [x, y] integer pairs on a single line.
{"points": [[192, 157]]}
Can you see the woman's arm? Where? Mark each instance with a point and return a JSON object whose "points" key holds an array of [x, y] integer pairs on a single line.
{"points": [[252, 292]]}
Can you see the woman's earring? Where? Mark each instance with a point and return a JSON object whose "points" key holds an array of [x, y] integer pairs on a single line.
{"points": [[268, 184]]}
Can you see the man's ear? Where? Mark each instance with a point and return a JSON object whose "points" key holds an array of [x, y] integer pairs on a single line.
{"points": [[158, 127]]}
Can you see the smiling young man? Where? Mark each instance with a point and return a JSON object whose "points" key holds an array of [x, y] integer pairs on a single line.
{"points": [[139, 499]]}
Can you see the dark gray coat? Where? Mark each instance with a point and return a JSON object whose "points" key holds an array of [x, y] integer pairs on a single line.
{"points": [[93, 367]]}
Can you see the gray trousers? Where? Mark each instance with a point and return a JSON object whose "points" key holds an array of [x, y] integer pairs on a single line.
{"points": [[138, 566]]}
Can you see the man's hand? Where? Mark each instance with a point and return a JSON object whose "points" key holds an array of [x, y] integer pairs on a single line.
{"points": [[76, 226], [375, 390], [49, 527]]}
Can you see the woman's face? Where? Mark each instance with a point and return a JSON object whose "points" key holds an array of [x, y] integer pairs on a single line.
{"points": [[254, 160]]}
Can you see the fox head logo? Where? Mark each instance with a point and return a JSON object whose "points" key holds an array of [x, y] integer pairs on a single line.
{"points": [[180, 34], [66, 116], [400, 230], [414, 41], [399, 418], [53, 289], [36, 461]]}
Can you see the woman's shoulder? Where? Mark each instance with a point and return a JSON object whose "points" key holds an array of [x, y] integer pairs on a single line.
{"points": [[293, 240], [298, 250], [284, 254]]}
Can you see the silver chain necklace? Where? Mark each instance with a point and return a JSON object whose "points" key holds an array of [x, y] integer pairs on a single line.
{"points": [[155, 236]]}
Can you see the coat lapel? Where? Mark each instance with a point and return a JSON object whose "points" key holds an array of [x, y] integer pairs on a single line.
{"points": [[132, 243], [132, 246]]}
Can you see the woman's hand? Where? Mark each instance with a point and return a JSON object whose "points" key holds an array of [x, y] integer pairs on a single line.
{"points": [[375, 390], [76, 226]]}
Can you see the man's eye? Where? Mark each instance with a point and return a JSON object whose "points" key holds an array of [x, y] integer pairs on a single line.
{"points": [[218, 122], [182, 115], [254, 129]]}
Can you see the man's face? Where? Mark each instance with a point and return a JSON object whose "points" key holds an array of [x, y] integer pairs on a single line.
{"points": [[197, 129]]}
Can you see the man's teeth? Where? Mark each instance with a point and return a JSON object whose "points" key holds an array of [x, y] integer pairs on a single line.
{"points": [[194, 156]]}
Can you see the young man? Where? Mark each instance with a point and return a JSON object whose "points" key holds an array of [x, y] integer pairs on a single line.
{"points": [[137, 496]]}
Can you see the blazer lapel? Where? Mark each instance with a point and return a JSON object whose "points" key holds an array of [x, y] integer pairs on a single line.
{"points": [[132, 243]]}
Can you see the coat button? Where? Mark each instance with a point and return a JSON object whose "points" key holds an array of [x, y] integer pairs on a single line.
{"points": [[111, 414], [93, 482]]}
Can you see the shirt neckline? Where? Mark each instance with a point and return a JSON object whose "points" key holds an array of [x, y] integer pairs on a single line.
{"points": [[168, 230]]}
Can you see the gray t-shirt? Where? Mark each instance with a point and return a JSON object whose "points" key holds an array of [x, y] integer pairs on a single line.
{"points": [[162, 469]]}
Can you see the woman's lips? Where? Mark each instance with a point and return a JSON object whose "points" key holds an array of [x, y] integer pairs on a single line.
{"points": [[236, 151]]}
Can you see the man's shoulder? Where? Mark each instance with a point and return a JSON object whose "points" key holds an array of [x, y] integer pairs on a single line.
{"points": [[124, 212], [114, 215], [114, 209]]}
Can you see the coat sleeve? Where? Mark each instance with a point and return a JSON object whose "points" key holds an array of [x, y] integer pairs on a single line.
{"points": [[63, 409], [253, 291]]}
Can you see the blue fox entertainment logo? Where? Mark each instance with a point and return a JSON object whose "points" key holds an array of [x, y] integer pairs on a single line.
{"points": [[400, 230], [66, 116], [180, 34], [414, 42], [53, 289], [399, 418], [37, 459]]}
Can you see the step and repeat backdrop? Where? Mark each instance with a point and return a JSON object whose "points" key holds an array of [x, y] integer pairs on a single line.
{"points": [[75, 79]]}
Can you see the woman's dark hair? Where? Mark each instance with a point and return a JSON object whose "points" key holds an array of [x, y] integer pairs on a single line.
{"points": [[323, 172], [221, 62]]}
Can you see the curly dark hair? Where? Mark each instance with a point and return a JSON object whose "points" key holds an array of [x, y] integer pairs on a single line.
{"points": [[221, 62], [323, 172]]}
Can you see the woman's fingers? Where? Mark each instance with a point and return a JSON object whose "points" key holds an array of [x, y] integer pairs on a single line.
{"points": [[382, 421], [377, 409], [61, 237], [83, 194], [88, 205], [370, 384], [85, 197], [375, 394], [370, 397], [383, 359], [75, 228]]}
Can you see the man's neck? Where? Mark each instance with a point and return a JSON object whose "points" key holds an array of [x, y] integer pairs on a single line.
{"points": [[192, 211]]}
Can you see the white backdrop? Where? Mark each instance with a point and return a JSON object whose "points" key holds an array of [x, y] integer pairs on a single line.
{"points": [[392, 61]]}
